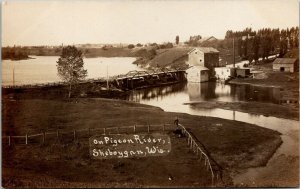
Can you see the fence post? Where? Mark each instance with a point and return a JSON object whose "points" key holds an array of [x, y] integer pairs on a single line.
{"points": [[104, 131], [118, 131], [74, 132], [44, 136], [134, 128], [148, 128], [8, 140], [26, 141]]}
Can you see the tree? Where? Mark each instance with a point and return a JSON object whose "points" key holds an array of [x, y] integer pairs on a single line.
{"points": [[177, 40], [70, 66], [255, 48], [131, 46]]}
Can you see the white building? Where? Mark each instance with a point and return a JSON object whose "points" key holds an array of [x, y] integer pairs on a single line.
{"points": [[202, 60], [224, 73], [197, 74]]}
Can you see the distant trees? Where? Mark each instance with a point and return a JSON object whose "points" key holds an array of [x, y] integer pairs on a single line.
{"points": [[14, 53], [194, 40], [177, 40], [139, 45], [70, 66], [252, 45], [131, 46], [165, 46]]}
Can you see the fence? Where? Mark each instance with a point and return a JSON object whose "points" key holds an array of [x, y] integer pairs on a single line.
{"points": [[199, 152], [76, 134], [84, 133]]}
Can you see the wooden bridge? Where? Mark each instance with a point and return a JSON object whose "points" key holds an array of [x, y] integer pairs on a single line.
{"points": [[142, 79], [131, 80]]}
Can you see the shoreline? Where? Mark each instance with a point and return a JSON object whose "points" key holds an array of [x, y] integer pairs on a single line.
{"points": [[258, 108], [18, 59], [235, 82]]}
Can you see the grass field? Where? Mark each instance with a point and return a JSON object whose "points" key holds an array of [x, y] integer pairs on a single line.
{"points": [[231, 144]]}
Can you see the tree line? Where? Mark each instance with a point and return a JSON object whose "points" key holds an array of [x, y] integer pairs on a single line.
{"points": [[14, 53], [252, 45]]}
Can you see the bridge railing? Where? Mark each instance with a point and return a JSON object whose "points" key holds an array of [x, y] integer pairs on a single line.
{"points": [[131, 74]]}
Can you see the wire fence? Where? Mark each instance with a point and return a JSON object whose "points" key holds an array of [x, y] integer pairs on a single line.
{"points": [[194, 146], [82, 133], [76, 134]]}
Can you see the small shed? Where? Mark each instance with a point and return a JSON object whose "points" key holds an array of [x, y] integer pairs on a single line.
{"points": [[242, 72], [197, 74], [285, 65], [224, 73]]}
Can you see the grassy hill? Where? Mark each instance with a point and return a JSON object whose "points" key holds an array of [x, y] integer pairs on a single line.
{"points": [[174, 57]]}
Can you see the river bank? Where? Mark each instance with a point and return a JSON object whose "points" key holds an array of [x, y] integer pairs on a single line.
{"points": [[232, 144], [266, 109], [288, 82]]}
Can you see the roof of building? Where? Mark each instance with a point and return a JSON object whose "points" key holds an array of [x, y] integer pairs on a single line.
{"points": [[210, 38], [205, 50], [284, 61], [199, 67], [224, 68]]}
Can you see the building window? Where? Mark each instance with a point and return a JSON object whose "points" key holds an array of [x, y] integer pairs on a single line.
{"points": [[200, 60]]}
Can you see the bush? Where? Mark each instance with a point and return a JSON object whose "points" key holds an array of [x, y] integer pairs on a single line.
{"points": [[162, 46], [169, 45], [131, 46], [139, 45]]}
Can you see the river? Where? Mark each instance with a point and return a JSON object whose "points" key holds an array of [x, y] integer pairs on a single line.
{"points": [[173, 98], [282, 169], [42, 69]]}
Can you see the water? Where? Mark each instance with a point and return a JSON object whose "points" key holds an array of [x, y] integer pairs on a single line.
{"points": [[173, 99], [42, 69], [201, 92]]}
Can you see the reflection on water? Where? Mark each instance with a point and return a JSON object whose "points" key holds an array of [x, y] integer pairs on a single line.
{"points": [[208, 91], [172, 99]]}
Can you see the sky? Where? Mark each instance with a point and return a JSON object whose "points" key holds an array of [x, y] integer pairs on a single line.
{"points": [[48, 22]]}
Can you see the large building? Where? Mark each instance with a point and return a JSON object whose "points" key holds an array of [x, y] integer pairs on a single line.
{"points": [[286, 65], [202, 61], [204, 56]]}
